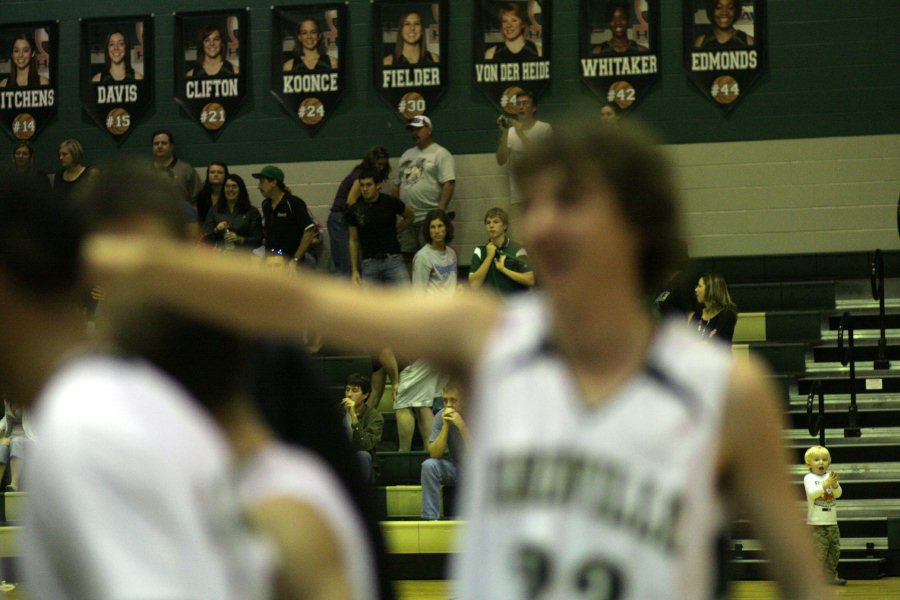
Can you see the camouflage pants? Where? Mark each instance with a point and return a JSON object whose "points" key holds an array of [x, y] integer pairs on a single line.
{"points": [[827, 544]]}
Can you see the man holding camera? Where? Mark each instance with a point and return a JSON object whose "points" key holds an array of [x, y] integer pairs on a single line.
{"points": [[516, 134], [502, 264]]}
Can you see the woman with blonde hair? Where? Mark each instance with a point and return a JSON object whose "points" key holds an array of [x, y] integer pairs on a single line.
{"points": [[719, 314]]}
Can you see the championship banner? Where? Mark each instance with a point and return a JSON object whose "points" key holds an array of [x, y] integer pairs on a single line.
{"points": [[117, 72], [309, 60], [620, 49], [410, 54], [724, 47], [210, 65], [512, 46], [29, 86]]}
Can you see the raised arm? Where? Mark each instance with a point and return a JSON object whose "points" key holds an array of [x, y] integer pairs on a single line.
{"points": [[760, 486], [255, 301]]}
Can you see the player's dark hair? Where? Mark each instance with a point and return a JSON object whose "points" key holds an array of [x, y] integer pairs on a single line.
{"points": [[370, 173], [612, 7], [40, 239], [362, 381], [445, 219], [589, 153], [711, 10]]}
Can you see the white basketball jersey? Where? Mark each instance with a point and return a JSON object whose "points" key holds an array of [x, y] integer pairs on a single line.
{"points": [[617, 502]]}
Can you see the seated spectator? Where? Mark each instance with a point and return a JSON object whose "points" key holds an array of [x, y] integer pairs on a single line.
{"points": [[15, 436], [233, 222], [448, 434], [500, 265], [364, 422], [211, 192], [719, 314]]}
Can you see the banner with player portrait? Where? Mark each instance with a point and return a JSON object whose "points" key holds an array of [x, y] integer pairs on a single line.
{"points": [[117, 72], [410, 54], [29, 83], [724, 47], [620, 49], [211, 50], [512, 44], [309, 60]]}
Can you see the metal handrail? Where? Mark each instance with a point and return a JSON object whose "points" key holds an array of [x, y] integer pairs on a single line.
{"points": [[877, 282], [852, 428], [816, 422]]}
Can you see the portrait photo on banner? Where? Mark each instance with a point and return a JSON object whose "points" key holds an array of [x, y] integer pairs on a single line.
{"points": [[309, 40], [308, 54], [409, 54], [411, 34], [116, 50], [25, 56], [619, 51], [724, 47], [723, 24], [117, 71], [618, 27], [210, 70], [513, 31], [28, 77], [212, 46]]}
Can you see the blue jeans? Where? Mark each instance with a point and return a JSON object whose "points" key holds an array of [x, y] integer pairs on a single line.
{"points": [[435, 473], [365, 463], [391, 269], [339, 239]]}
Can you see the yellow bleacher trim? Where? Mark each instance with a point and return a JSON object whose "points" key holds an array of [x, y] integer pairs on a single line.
{"points": [[750, 327], [421, 537], [740, 350], [15, 504], [403, 500], [9, 541]]}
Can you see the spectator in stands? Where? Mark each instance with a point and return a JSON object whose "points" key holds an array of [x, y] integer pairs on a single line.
{"points": [[373, 230], [719, 314], [376, 159], [610, 113], [822, 489], [517, 134], [211, 192], [72, 173], [232, 221], [15, 437], [24, 164], [184, 176], [426, 178], [449, 435], [434, 273], [364, 422], [501, 265], [289, 229]]}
